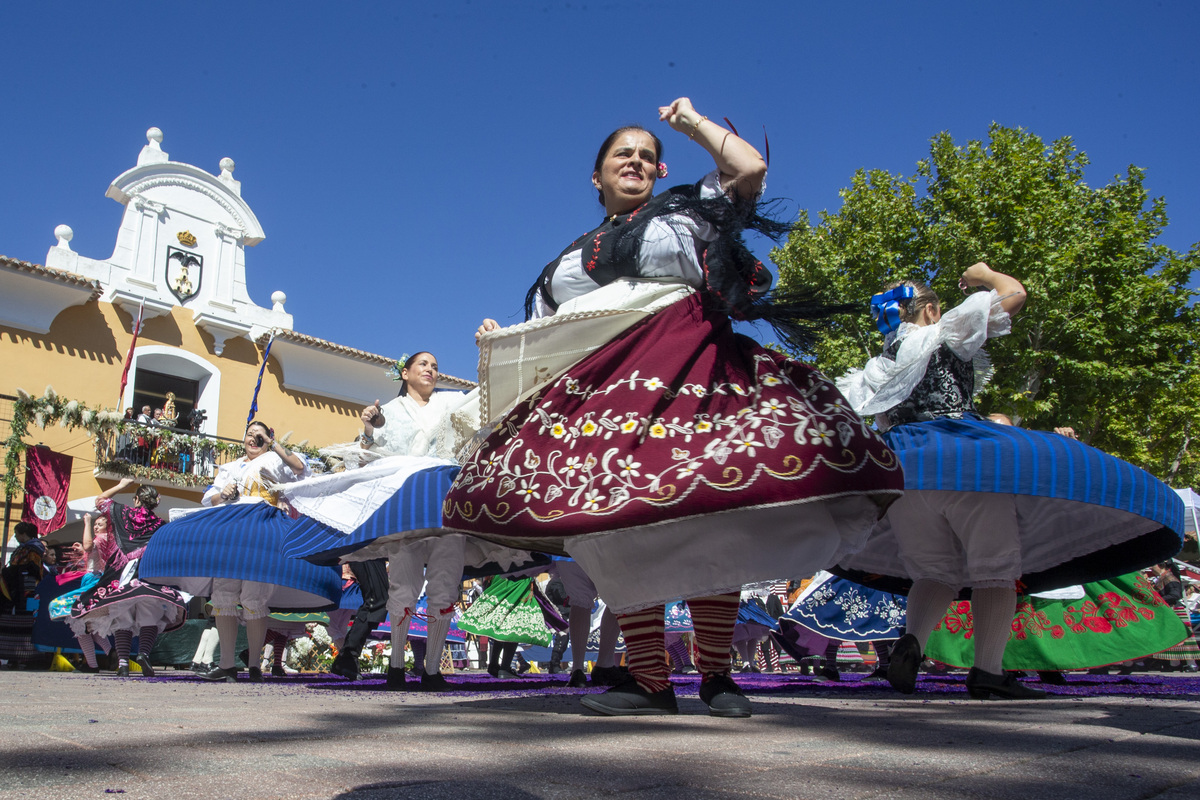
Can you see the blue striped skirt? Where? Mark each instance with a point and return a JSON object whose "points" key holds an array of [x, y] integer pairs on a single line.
{"points": [[1083, 515], [243, 541], [416, 505]]}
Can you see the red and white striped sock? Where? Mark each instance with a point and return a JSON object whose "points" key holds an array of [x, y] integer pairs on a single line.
{"points": [[713, 619], [645, 647]]}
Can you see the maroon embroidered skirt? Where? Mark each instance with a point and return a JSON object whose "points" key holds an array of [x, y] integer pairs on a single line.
{"points": [[677, 430]]}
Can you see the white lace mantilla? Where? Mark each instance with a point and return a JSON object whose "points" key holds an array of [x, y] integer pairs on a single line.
{"points": [[345, 500], [518, 360]]}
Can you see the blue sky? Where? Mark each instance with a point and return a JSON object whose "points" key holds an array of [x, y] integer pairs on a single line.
{"points": [[414, 165]]}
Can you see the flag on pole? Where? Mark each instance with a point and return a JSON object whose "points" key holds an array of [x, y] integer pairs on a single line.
{"points": [[47, 479], [257, 386], [137, 328]]}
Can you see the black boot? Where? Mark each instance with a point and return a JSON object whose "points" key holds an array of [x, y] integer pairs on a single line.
{"points": [[396, 682], [556, 655], [345, 665]]}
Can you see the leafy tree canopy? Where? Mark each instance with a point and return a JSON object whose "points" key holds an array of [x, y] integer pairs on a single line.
{"points": [[1107, 342]]}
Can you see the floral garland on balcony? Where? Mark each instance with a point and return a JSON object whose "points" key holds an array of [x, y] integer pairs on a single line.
{"points": [[51, 408]]}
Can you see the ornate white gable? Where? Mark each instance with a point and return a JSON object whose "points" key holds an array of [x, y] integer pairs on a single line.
{"points": [[182, 241]]}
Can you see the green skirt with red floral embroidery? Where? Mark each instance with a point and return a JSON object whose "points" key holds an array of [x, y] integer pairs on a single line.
{"points": [[1116, 620]]}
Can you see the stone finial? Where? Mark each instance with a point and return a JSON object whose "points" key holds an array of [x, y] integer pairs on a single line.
{"points": [[64, 234], [278, 298], [227, 167], [153, 153]]}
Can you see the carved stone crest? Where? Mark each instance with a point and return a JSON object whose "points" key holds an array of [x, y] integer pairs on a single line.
{"points": [[184, 270]]}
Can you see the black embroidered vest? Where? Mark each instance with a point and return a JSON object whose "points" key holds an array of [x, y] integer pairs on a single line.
{"points": [[947, 390]]}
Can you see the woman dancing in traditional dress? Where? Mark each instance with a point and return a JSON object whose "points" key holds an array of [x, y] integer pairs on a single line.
{"points": [[377, 510], [839, 610], [233, 553], [121, 603], [986, 505], [1169, 583], [670, 456]]}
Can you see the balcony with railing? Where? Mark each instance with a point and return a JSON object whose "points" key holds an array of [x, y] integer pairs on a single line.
{"points": [[161, 454], [149, 453]]}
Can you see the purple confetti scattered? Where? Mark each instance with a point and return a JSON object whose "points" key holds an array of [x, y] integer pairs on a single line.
{"points": [[936, 686]]}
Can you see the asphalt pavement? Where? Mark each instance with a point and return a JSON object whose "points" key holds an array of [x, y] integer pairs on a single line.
{"points": [[69, 735]]}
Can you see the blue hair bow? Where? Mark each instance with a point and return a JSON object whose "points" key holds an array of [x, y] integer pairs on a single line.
{"points": [[885, 308]]}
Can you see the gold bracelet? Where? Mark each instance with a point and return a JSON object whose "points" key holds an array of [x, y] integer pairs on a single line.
{"points": [[696, 127]]}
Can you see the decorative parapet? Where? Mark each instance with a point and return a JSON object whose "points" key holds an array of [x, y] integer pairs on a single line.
{"points": [[320, 367], [31, 295], [150, 453]]}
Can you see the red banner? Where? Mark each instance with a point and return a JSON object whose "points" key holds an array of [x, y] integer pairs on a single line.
{"points": [[47, 479]]}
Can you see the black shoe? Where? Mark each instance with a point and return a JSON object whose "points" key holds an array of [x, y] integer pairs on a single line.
{"points": [[879, 673], [723, 697], [277, 671], [830, 673], [199, 668], [554, 668], [123, 671], [144, 663], [578, 680], [345, 667], [1052, 677], [505, 674], [85, 669], [904, 665], [396, 682], [609, 676], [631, 700], [435, 682], [982, 685], [215, 673], [254, 674]]}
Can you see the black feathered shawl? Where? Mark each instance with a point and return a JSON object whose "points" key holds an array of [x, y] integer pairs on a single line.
{"points": [[734, 280]]}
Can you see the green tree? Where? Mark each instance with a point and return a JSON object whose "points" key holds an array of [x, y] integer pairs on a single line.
{"points": [[1107, 341]]}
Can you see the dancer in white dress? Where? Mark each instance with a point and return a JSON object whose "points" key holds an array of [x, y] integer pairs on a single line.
{"points": [[405, 441]]}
